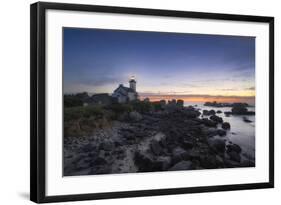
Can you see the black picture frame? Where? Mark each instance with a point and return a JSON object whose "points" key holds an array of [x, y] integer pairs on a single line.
{"points": [[38, 101]]}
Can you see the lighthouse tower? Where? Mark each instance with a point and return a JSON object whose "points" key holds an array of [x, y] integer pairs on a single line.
{"points": [[133, 83]]}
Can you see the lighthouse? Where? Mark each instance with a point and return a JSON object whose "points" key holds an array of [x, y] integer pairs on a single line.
{"points": [[133, 83]]}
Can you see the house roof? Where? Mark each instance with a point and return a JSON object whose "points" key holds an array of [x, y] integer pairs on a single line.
{"points": [[122, 87]]}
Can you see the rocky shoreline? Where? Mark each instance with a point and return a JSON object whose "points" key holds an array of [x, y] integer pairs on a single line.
{"points": [[170, 140]]}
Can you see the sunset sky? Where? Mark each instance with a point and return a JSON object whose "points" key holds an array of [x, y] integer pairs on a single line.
{"points": [[193, 67]]}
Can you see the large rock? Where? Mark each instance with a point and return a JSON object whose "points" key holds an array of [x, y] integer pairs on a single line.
{"points": [[210, 112], [179, 154], [189, 113], [216, 118], [225, 126], [183, 165], [208, 162], [88, 148], [155, 147], [245, 119], [239, 109], [187, 144], [221, 132], [210, 132], [107, 146], [146, 163], [233, 147], [209, 123], [100, 161], [234, 156], [217, 145]]}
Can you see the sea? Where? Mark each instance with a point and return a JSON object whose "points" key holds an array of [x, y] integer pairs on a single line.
{"points": [[241, 133]]}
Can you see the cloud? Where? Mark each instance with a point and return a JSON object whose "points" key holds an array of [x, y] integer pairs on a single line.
{"points": [[101, 80], [229, 89], [251, 88]]}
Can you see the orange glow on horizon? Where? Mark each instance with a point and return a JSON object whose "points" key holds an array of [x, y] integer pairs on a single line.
{"points": [[198, 99]]}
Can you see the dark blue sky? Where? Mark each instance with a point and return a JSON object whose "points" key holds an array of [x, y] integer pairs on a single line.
{"points": [[98, 60]]}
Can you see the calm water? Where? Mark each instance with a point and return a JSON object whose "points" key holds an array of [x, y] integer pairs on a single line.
{"points": [[241, 133]]}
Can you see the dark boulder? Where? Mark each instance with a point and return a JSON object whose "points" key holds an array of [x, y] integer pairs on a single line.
{"points": [[146, 163], [107, 146], [233, 147], [179, 154], [205, 112], [234, 156], [186, 144], [88, 148], [239, 109], [217, 145], [100, 161], [245, 119], [208, 162], [210, 132], [221, 132], [191, 113], [225, 125], [216, 118], [219, 111], [155, 147], [209, 123], [210, 112]]}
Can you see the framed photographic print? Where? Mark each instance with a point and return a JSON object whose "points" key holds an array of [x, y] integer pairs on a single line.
{"points": [[129, 102]]}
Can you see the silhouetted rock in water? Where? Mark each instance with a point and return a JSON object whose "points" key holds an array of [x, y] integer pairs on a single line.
{"points": [[239, 109], [189, 113], [219, 111], [216, 118], [210, 112], [217, 104], [227, 114], [183, 165], [245, 119], [217, 145], [225, 125], [209, 123]]}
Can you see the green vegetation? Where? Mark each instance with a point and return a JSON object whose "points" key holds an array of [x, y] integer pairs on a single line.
{"points": [[119, 108], [75, 113], [82, 120], [72, 101], [141, 106]]}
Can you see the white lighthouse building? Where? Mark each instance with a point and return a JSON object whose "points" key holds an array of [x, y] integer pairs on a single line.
{"points": [[126, 94]]}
